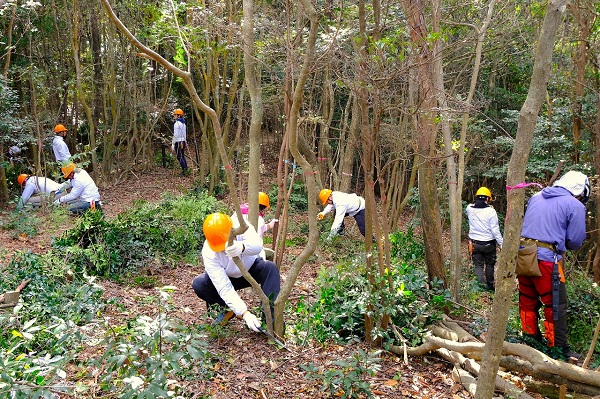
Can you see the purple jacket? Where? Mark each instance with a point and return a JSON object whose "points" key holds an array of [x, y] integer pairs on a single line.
{"points": [[556, 217]]}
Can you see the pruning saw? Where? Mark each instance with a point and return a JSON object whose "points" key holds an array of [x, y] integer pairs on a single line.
{"points": [[278, 342]]}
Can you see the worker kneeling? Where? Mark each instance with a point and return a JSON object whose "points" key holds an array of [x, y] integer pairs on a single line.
{"points": [[84, 193], [222, 277]]}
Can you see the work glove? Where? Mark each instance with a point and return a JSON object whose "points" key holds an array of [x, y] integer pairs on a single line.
{"points": [[272, 223], [320, 216], [56, 202], [234, 249], [172, 147], [251, 321]]}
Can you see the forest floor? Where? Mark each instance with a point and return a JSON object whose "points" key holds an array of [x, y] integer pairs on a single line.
{"points": [[248, 366]]}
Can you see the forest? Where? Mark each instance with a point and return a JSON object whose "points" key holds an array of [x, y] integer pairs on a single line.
{"points": [[411, 104]]}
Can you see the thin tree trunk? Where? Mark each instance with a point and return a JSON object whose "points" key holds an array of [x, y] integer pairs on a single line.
{"points": [[254, 89], [505, 280]]}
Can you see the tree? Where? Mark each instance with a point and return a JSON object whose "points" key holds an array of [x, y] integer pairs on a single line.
{"points": [[516, 198]]}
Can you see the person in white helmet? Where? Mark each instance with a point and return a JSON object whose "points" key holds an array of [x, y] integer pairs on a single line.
{"points": [[554, 221]]}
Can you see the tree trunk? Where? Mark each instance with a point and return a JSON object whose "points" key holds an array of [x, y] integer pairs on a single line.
{"points": [[254, 89], [516, 198], [425, 129]]}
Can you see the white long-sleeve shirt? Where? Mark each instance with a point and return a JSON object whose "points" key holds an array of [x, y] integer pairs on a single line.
{"points": [[483, 224], [36, 185], [220, 267], [83, 188], [179, 132], [61, 151], [343, 204]]}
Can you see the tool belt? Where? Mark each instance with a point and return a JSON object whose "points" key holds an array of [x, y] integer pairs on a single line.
{"points": [[530, 241]]}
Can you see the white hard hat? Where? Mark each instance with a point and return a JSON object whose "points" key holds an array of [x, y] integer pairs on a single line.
{"points": [[576, 182]]}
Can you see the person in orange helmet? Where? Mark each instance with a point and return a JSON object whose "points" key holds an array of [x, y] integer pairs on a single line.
{"points": [[344, 205], [59, 147], [222, 277], [35, 188], [84, 193], [179, 141]]}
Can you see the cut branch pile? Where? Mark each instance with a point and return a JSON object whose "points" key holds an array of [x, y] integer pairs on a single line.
{"points": [[456, 345]]}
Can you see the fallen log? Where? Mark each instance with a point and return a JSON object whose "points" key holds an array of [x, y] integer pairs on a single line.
{"points": [[541, 365]]}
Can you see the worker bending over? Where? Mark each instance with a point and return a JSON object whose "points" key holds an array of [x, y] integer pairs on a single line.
{"points": [[344, 205]]}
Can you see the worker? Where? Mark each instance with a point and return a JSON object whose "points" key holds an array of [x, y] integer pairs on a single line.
{"points": [[179, 140], [555, 221], [61, 151], [263, 205], [84, 194], [484, 237], [344, 205], [35, 188], [222, 277]]}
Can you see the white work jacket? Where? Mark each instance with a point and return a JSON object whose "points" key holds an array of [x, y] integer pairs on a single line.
{"points": [[83, 188], [220, 267], [179, 132], [61, 151], [36, 185], [343, 204], [483, 224]]}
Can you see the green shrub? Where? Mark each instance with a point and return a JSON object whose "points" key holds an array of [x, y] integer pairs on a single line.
{"points": [[344, 293], [406, 246], [171, 229], [347, 378], [40, 335]]}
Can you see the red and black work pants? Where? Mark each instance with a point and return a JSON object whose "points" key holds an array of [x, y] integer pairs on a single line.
{"points": [[535, 292]]}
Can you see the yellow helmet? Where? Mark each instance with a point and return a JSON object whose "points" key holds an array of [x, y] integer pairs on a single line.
{"points": [[484, 191], [22, 178], [263, 199], [67, 169], [216, 230], [324, 195], [178, 111]]}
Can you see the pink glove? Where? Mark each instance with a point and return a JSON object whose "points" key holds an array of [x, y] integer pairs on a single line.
{"points": [[251, 321]]}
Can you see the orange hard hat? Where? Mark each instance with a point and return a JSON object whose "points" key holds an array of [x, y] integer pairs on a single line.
{"points": [[324, 195], [59, 128], [178, 111], [216, 230], [22, 178], [67, 169], [263, 199]]}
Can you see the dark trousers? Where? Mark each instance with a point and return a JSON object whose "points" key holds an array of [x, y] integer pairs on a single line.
{"points": [[360, 222], [81, 207], [263, 271], [180, 152], [484, 260]]}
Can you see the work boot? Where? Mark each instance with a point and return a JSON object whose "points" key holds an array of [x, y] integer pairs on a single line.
{"points": [[223, 318], [572, 357]]}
